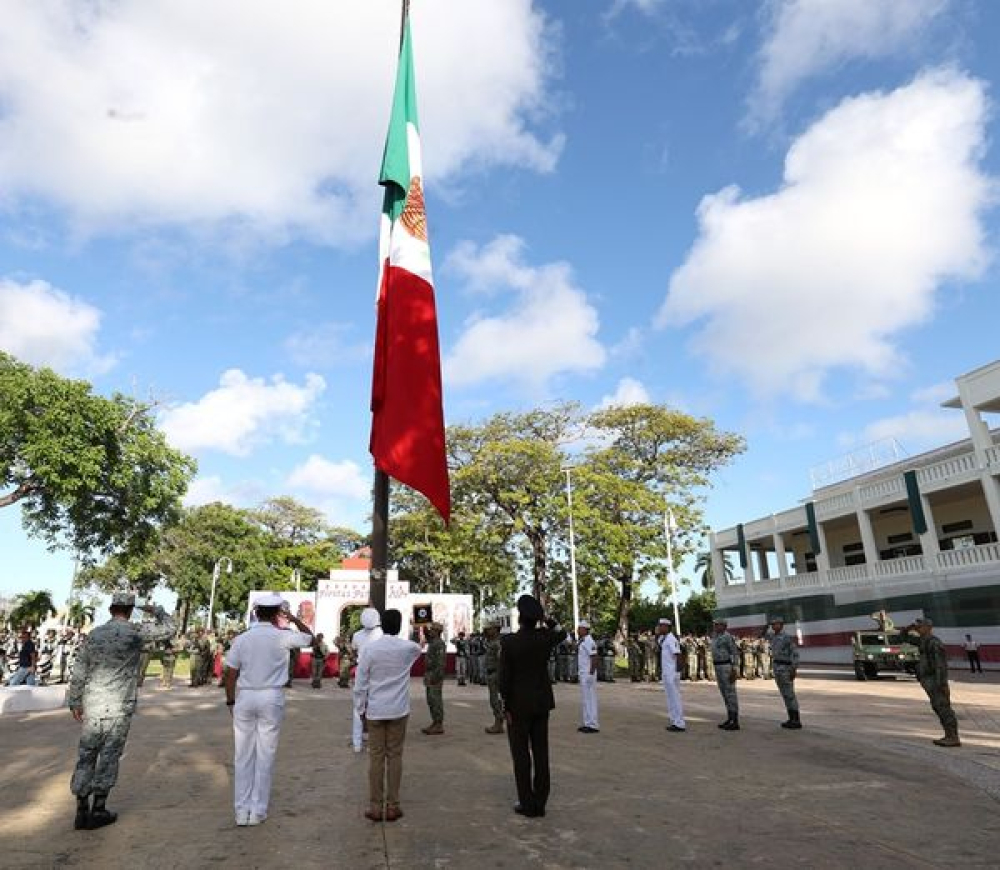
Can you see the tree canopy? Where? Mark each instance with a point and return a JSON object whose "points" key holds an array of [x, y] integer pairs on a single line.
{"points": [[90, 473]]}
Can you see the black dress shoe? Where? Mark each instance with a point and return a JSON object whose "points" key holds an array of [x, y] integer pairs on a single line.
{"points": [[524, 811]]}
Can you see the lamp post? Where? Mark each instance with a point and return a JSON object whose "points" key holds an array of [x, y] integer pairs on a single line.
{"points": [[572, 544], [297, 579], [215, 580], [668, 529]]}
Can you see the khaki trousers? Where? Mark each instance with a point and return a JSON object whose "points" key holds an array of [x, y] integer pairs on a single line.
{"points": [[385, 770]]}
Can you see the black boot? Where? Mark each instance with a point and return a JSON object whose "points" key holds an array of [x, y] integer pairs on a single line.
{"points": [[733, 724], [100, 815], [82, 820], [793, 723], [725, 725]]}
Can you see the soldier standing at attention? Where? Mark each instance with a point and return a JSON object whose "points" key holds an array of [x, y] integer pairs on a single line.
{"points": [[168, 660], [344, 661], [461, 657], [194, 661], [672, 658], [634, 661], [786, 665], [434, 664], [932, 672], [102, 697], [207, 659], [319, 653], [586, 668], [492, 677], [144, 658], [256, 668], [724, 655]]}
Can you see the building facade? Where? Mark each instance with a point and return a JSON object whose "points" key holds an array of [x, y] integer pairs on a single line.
{"points": [[916, 537]]}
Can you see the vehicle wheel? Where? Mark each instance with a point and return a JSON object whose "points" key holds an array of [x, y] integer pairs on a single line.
{"points": [[871, 671], [859, 671]]}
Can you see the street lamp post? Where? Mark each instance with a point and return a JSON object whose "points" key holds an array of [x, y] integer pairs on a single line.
{"points": [[572, 544], [215, 580], [668, 528]]}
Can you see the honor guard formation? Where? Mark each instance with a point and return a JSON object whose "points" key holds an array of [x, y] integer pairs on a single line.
{"points": [[519, 668]]}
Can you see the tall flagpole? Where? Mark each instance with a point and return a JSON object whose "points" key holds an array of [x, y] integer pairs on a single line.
{"points": [[668, 528], [378, 571]]}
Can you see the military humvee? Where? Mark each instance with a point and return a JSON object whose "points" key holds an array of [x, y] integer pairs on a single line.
{"points": [[882, 649]]}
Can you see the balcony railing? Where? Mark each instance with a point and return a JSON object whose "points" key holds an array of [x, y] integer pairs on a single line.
{"points": [[993, 456], [804, 581], [948, 468], [882, 489], [903, 565], [848, 575], [837, 504], [969, 556]]}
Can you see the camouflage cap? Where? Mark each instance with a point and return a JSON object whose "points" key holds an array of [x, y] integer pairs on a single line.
{"points": [[436, 626], [122, 598], [776, 617], [923, 621], [720, 620]]}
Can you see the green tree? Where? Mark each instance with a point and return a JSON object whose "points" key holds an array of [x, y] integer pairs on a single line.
{"points": [[697, 612], [89, 473], [32, 608], [646, 460], [506, 474], [79, 613], [291, 521], [703, 566]]}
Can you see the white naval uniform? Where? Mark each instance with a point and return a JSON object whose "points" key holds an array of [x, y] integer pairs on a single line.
{"points": [[586, 648], [261, 656], [669, 649], [361, 637]]}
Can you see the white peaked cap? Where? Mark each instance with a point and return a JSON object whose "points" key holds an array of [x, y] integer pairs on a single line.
{"points": [[583, 623], [272, 599]]}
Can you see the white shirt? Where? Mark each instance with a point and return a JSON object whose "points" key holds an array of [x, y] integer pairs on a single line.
{"points": [[585, 648], [363, 635], [669, 648], [261, 655], [382, 680]]}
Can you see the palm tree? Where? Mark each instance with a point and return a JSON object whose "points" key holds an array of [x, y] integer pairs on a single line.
{"points": [[703, 563], [79, 614], [32, 608]]}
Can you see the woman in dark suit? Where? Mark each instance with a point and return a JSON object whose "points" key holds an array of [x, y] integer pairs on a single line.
{"points": [[527, 696]]}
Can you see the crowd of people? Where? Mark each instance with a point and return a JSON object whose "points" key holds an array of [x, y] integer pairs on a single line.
{"points": [[30, 657]]}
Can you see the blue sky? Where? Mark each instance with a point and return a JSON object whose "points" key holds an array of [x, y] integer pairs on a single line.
{"points": [[781, 215]]}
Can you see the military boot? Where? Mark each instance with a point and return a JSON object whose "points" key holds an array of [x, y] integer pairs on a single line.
{"points": [[100, 815], [733, 724], [950, 738], [82, 820], [496, 728], [793, 722], [434, 728]]}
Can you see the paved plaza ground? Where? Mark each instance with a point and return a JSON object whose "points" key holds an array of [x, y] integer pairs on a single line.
{"points": [[860, 786]]}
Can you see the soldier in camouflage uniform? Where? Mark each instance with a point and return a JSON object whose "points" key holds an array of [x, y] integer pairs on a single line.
{"points": [[492, 676], [345, 658], [102, 696], [652, 659], [144, 659], [932, 672], [690, 647], [207, 659], [194, 659], [434, 665], [168, 660], [319, 653], [786, 665], [635, 658], [724, 655]]}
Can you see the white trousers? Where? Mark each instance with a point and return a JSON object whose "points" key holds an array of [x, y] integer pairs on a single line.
{"points": [[588, 699], [675, 707], [257, 719]]}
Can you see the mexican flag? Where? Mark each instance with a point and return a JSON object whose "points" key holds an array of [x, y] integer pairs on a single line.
{"points": [[407, 437]]}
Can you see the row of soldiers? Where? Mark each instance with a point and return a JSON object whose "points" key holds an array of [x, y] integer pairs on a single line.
{"points": [[52, 651], [754, 658]]}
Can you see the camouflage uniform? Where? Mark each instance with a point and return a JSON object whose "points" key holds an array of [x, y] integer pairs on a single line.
{"points": [[635, 659], [492, 676], [690, 647], [319, 653], [724, 656], [932, 672], [103, 687], [168, 660], [207, 649], [786, 662], [144, 658], [194, 661], [434, 682], [345, 656]]}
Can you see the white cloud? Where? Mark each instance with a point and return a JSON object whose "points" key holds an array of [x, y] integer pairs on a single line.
{"points": [[628, 392], [881, 202], [322, 476], [242, 413], [251, 115], [935, 394], [206, 490], [550, 329], [804, 38], [46, 327], [918, 430]]}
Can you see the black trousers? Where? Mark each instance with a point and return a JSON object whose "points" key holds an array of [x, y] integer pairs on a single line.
{"points": [[529, 742], [974, 665]]}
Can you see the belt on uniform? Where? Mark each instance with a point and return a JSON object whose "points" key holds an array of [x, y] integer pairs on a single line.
{"points": [[722, 661]]}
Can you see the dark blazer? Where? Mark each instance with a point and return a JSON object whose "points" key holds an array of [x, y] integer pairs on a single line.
{"points": [[523, 677]]}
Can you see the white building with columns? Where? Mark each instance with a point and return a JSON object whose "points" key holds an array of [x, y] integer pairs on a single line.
{"points": [[916, 536]]}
